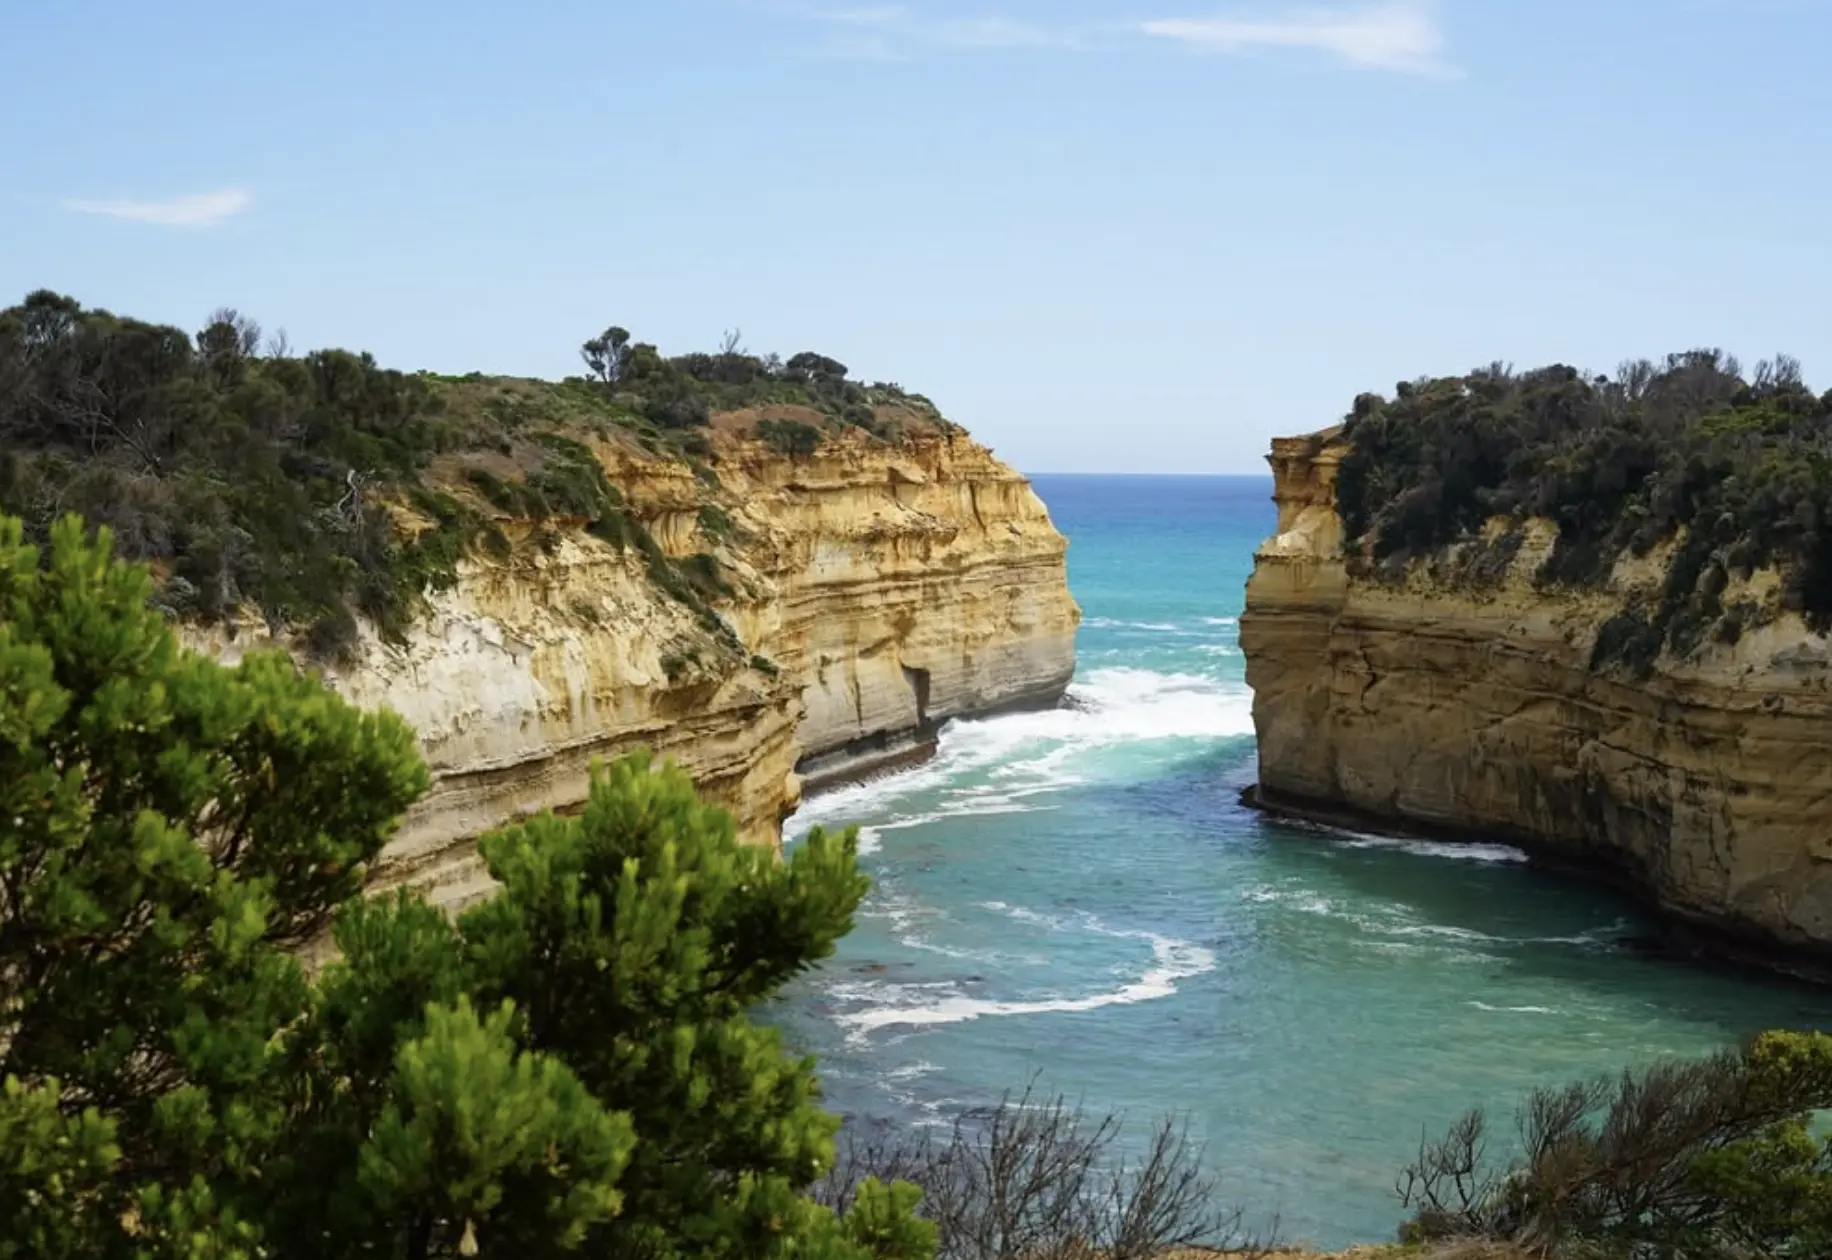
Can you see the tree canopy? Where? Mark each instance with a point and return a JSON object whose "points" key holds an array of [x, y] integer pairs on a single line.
{"points": [[1738, 468], [569, 1068], [320, 489]]}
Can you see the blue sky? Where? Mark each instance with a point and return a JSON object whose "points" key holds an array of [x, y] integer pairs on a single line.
{"points": [[1106, 235]]}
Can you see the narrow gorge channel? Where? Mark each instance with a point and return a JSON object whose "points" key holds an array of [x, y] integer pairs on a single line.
{"points": [[1080, 895]]}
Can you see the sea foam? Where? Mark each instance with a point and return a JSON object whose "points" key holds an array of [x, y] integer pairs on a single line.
{"points": [[893, 1004], [997, 765]]}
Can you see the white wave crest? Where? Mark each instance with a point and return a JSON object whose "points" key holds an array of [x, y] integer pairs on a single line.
{"points": [[1172, 961], [1471, 852], [1028, 754], [890, 1005], [1377, 921], [909, 921], [1032, 917], [1114, 623]]}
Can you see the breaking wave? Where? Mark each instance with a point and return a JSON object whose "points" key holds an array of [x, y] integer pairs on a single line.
{"points": [[890, 1004]]}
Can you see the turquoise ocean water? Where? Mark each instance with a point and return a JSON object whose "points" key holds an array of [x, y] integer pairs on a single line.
{"points": [[1078, 895]]}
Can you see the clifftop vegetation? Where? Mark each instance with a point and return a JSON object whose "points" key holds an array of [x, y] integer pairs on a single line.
{"points": [[1734, 469], [320, 487]]}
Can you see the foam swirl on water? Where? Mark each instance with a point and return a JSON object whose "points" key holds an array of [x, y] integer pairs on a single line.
{"points": [[916, 1005]]}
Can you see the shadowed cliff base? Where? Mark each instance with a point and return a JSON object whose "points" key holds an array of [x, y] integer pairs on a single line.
{"points": [[887, 752], [1693, 942]]}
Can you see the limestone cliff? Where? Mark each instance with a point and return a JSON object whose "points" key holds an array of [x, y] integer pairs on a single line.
{"points": [[1705, 786], [868, 591]]}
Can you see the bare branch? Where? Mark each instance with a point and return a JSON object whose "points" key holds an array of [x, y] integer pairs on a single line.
{"points": [[1035, 1176]]}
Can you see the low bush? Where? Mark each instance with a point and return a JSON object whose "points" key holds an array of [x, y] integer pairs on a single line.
{"points": [[794, 438], [249, 476], [1036, 1176], [1736, 471], [1714, 1159]]}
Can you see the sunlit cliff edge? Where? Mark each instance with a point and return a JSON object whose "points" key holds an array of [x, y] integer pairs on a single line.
{"points": [[1705, 786], [875, 590]]}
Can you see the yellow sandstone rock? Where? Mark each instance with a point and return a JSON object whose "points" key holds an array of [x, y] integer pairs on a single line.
{"points": [[1706, 787], [876, 589]]}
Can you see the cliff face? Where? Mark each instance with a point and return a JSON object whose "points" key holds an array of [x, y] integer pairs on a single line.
{"points": [[897, 589], [875, 590], [1706, 786]]}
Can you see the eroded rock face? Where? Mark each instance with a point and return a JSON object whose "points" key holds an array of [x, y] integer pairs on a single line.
{"points": [[908, 588], [875, 591], [1707, 786]]}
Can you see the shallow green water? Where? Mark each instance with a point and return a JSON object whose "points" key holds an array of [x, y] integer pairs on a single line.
{"points": [[1078, 894]]}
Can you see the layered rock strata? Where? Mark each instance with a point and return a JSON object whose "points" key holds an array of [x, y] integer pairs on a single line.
{"points": [[1706, 786], [872, 591]]}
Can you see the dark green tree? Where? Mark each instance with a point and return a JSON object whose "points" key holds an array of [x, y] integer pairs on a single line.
{"points": [[635, 940], [808, 365], [570, 1069], [169, 831], [606, 354]]}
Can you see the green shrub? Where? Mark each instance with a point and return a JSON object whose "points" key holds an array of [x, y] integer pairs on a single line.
{"points": [[1710, 1159], [253, 477], [570, 1068], [249, 478], [1740, 470], [702, 570], [794, 438], [716, 523]]}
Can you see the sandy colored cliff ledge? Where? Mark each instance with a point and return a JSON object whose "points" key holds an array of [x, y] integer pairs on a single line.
{"points": [[1706, 787], [876, 589]]}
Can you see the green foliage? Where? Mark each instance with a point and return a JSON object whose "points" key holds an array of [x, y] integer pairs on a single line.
{"points": [[565, 482], [54, 1169], [607, 354], [634, 940], [247, 479], [569, 1069], [702, 570], [1738, 471], [795, 438], [674, 396], [716, 523], [1776, 1191], [169, 830], [1713, 1159], [883, 1221], [251, 477], [480, 1137]]}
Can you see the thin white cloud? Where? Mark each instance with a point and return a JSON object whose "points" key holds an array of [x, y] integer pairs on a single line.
{"points": [[884, 32], [1002, 32], [197, 210], [1400, 35], [861, 48], [882, 15]]}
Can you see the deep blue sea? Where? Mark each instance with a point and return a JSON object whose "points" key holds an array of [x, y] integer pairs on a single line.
{"points": [[1078, 896]]}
